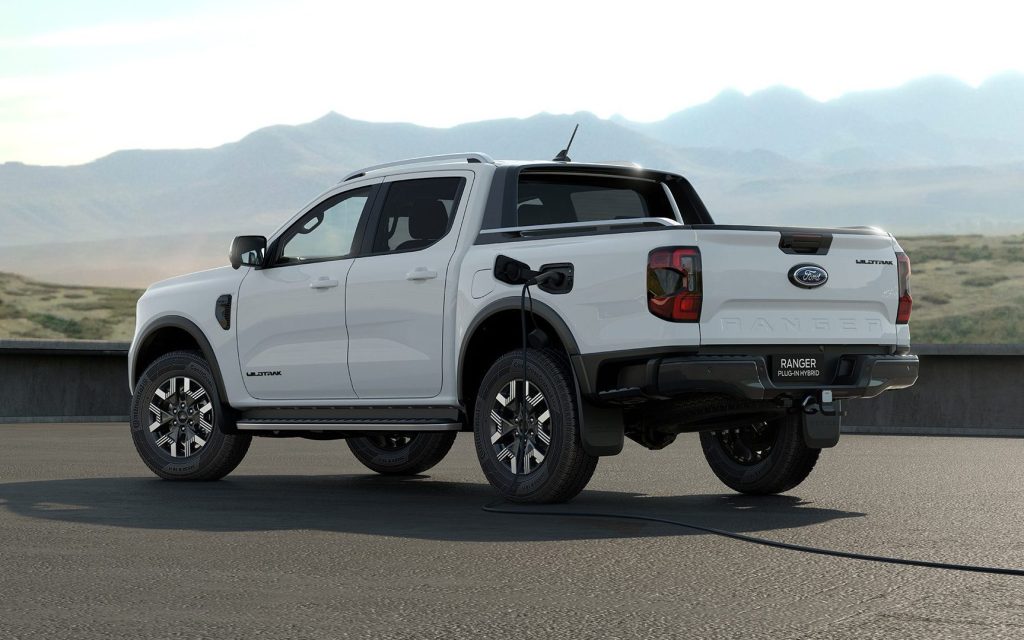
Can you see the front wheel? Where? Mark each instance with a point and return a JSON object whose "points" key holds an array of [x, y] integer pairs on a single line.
{"points": [[177, 418], [527, 432], [760, 458], [401, 454]]}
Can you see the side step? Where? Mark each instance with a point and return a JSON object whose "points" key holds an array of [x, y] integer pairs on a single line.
{"points": [[389, 418], [348, 425]]}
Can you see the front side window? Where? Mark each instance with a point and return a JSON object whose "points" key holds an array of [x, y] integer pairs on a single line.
{"points": [[564, 198], [416, 214], [328, 231]]}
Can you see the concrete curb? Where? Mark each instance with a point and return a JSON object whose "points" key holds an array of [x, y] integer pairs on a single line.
{"points": [[964, 389]]}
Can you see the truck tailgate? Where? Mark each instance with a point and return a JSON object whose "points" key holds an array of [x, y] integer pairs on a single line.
{"points": [[754, 295]]}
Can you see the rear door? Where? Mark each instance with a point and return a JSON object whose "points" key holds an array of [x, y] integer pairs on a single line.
{"points": [[396, 290], [801, 286]]}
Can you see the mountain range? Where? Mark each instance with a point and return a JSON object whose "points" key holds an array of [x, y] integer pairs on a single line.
{"points": [[932, 156]]}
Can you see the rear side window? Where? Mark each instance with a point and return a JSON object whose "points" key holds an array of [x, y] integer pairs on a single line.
{"points": [[416, 214], [561, 198]]}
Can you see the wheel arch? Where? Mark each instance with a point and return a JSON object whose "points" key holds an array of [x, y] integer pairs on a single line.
{"points": [[502, 317], [601, 428], [174, 333]]}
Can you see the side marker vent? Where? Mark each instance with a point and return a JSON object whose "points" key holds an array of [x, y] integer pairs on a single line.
{"points": [[222, 311]]}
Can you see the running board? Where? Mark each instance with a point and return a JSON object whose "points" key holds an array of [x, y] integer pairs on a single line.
{"points": [[388, 418], [363, 425]]}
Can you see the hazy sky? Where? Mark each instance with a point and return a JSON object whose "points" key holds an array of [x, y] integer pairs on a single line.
{"points": [[81, 79]]}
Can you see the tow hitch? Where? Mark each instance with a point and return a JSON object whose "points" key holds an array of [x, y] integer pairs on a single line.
{"points": [[824, 405], [824, 415]]}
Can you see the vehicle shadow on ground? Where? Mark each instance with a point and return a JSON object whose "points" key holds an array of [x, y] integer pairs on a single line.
{"points": [[374, 505]]}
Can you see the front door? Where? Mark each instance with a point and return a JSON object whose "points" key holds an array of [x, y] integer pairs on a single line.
{"points": [[292, 339], [396, 290]]}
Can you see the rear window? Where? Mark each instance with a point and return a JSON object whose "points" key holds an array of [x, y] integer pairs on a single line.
{"points": [[559, 198]]}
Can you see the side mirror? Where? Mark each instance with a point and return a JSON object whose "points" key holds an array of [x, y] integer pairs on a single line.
{"points": [[247, 250]]}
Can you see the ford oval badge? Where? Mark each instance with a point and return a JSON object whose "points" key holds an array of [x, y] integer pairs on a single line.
{"points": [[808, 276]]}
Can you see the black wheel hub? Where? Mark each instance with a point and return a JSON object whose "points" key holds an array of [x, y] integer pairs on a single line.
{"points": [[391, 441], [748, 445]]}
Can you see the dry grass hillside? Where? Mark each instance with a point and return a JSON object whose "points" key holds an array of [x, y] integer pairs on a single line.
{"points": [[967, 289], [31, 309]]}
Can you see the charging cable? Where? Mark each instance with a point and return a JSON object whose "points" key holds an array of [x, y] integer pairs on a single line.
{"points": [[495, 507]]}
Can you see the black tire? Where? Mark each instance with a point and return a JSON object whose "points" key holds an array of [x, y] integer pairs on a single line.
{"points": [[402, 454], [220, 452], [565, 468], [766, 459]]}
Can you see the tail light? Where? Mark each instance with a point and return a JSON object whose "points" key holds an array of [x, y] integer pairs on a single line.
{"points": [[906, 302], [674, 289]]}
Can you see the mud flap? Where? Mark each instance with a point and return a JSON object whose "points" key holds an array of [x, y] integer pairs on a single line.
{"points": [[601, 429], [822, 431]]}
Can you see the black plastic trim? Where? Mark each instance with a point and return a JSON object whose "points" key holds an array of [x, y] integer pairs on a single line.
{"points": [[590, 364], [178, 322], [749, 377], [794, 243], [511, 303], [639, 371], [222, 311], [342, 413]]}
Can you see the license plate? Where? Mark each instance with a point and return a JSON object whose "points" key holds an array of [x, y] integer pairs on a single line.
{"points": [[799, 367]]}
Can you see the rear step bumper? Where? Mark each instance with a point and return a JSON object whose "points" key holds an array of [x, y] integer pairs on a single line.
{"points": [[748, 377]]}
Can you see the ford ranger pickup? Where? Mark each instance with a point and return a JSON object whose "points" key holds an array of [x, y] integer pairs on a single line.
{"points": [[551, 309]]}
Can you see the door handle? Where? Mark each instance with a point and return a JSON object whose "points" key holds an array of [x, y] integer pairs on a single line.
{"points": [[421, 273], [323, 282]]}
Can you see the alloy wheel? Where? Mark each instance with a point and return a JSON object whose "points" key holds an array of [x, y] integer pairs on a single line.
{"points": [[520, 426], [182, 417]]}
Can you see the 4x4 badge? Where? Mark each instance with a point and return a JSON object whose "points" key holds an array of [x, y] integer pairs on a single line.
{"points": [[808, 276]]}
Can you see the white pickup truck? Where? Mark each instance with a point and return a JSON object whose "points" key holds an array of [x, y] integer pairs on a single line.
{"points": [[392, 312]]}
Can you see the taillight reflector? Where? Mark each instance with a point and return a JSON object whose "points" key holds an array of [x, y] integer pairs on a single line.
{"points": [[906, 302], [674, 289]]}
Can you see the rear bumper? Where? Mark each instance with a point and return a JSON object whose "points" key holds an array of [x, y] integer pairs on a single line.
{"points": [[748, 377], [741, 372]]}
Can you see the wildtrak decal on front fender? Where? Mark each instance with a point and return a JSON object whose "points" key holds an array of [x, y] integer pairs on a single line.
{"points": [[258, 374]]}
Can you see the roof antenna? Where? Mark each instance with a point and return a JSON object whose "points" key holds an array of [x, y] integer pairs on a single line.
{"points": [[563, 155]]}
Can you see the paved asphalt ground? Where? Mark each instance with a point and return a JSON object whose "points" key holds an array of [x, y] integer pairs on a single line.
{"points": [[301, 542]]}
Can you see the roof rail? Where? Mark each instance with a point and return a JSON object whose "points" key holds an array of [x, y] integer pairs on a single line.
{"points": [[472, 156]]}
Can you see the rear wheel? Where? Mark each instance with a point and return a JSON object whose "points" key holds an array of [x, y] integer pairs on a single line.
{"points": [[761, 458], [401, 454], [527, 432], [177, 419]]}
